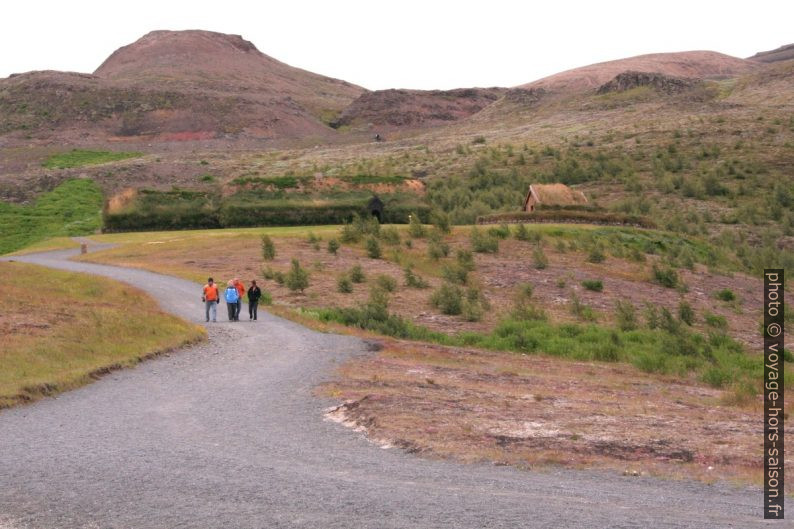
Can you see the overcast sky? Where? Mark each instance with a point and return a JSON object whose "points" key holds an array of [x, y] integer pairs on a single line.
{"points": [[405, 43]]}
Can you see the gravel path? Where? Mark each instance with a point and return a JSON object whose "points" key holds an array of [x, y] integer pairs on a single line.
{"points": [[228, 434]]}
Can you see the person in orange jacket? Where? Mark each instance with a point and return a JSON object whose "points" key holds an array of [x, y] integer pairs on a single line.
{"points": [[241, 291], [211, 298]]}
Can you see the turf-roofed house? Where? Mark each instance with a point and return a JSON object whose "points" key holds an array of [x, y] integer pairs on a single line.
{"points": [[553, 195]]}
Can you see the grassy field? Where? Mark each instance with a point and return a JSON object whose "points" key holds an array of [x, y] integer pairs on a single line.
{"points": [[62, 329], [72, 208], [81, 158]]}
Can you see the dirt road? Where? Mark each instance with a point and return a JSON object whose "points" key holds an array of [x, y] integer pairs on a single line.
{"points": [[228, 434]]}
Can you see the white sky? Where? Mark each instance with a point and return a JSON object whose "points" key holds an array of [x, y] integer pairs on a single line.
{"points": [[401, 44]]}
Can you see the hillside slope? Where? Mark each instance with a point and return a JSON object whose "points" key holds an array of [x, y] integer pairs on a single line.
{"points": [[694, 64]]}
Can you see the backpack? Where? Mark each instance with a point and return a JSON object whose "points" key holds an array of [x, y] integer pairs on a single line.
{"points": [[231, 295]]}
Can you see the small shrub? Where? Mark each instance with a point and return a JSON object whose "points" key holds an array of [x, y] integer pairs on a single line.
{"points": [[266, 298], [651, 316], [458, 272], [297, 279], [390, 235], [412, 280], [539, 259], [333, 246], [596, 285], [415, 227], [521, 233], [268, 248], [668, 323], [500, 232], [524, 308], [474, 305], [716, 377], [726, 294], [448, 298], [715, 321], [665, 276], [596, 255], [686, 313], [275, 275], [312, 238], [344, 285], [350, 234], [387, 283], [357, 274], [373, 248], [465, 259], [436, 247], [440, 220], [581, 310], [478, 140], [625, 315], [483, 242]]}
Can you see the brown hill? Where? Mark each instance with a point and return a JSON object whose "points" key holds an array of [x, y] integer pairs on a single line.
{"points": [[416, 108], [227, 63], [176, 85], [690, 64], [783, 53]]}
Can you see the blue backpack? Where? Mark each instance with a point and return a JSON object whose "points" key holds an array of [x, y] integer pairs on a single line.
{"points": [[231, 295]]}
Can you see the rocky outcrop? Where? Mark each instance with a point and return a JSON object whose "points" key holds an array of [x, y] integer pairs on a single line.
{"points": [[658, 81]]}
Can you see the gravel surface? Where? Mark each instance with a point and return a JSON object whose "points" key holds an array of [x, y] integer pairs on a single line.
{"points": [[228, 434]]}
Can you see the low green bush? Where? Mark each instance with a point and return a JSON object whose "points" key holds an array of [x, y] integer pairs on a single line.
{"points": [[596, 285], [357, 274], [297, 279]]}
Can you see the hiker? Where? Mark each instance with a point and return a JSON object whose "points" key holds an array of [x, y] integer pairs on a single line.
{"points": [[240, 293], [232, 297], [254, 293], [211, 298]]}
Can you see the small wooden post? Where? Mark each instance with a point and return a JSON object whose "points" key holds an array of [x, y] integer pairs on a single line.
{"points": [[83, 248]]}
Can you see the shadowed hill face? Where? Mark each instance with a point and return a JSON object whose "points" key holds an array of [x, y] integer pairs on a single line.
{"points": [[690, 64], [401, 108], [227, 63]]}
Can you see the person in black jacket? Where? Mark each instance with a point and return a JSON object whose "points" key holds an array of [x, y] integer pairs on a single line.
{"points": [[253, 299]]}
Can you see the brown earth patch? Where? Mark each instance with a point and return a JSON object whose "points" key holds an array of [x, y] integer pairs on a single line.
{"points": [[531, 411]]}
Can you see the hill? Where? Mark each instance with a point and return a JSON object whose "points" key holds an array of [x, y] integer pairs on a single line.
{"points": [[783, 53], [205, 60], [692, 64], [175, 86]]}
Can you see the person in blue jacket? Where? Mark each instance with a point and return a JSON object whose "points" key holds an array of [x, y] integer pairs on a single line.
{"points": [[232, 297]]}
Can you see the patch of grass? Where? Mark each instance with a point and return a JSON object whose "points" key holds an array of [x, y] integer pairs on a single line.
{"points": [[99, 325], [665, 276], [726, 294], [596, 285], [80, 158], [72, 208], [716, 359]]}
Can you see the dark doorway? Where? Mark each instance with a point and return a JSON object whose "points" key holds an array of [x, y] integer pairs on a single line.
{"points": [[375, 208]]}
